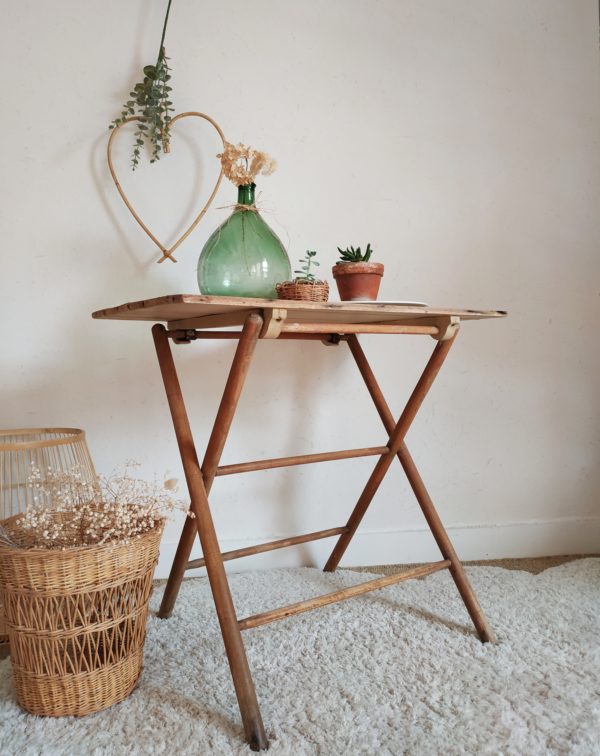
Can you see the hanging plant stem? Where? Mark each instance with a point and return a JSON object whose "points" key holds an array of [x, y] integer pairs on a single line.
{"points": [[149, 102]]}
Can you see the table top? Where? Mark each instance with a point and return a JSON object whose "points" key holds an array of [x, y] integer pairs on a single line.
{"points": [[208, 311]]}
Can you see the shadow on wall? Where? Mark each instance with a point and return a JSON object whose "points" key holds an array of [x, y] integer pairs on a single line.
{"points": [[103, 376]]}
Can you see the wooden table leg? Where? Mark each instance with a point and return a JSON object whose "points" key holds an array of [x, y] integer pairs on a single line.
{"points": [[396, 439], [236, 654], [484, 630], [216, 443]]}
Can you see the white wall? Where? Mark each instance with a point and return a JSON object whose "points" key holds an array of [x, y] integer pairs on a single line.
{"points": [[459, 137]]}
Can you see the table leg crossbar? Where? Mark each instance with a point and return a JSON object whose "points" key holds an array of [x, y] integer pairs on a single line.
{"points": [[301, 459], [261, 548], [345, 593], [200, 479]]}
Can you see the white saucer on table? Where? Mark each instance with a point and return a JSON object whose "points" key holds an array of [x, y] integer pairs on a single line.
{"points": [[387, 302]]}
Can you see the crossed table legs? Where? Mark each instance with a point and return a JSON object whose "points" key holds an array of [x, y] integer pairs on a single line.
{"points": [[200, 478]]}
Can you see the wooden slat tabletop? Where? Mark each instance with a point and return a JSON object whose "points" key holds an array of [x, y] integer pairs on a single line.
{"points": [[176, 307]]}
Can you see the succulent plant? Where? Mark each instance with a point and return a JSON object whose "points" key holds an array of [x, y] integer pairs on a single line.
{"points": [[305, 274], [354, 255]]}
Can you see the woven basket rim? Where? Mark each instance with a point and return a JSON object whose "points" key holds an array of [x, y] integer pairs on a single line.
{"points": [[72, 434], [302, 282], [31, 551], [301, 290]]}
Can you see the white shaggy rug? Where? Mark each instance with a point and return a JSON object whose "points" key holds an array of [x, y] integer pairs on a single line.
{"points": [[398, 671]]}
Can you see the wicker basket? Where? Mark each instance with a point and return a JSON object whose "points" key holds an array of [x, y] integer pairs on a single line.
{"points": [[76, 621], [58, 448], [311, 291]]}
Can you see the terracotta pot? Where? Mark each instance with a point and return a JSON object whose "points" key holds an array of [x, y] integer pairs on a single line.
{"points": [[358, 280]]}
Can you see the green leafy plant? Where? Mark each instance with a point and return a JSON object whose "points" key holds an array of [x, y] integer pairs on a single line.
{"points": [[354, 255], [149, 101], [305, 275]]}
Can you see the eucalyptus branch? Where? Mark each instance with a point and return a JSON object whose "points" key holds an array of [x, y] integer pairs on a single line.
{"points": [[149, 102]]}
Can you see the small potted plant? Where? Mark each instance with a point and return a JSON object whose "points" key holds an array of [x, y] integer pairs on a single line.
{"points": [[305, 286], [355, 276]]}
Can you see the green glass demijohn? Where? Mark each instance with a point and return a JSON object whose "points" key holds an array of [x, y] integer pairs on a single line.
{"points": [[243, 257]]}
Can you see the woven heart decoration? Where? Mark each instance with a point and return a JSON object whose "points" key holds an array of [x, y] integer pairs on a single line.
{"points": [[167, 253]]}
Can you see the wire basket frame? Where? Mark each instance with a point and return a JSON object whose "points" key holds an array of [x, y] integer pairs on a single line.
{"points": [[58, 449]]}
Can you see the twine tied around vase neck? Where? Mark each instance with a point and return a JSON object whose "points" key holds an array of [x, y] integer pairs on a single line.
{"points": [[238, 206]]}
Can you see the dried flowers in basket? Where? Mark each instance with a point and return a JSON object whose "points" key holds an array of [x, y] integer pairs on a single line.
{"points": [[75, 577], [305, 286]]}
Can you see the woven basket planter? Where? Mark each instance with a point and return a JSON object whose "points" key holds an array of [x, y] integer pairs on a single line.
{"points": [[312, 291], [76, 621], [61, 449]]}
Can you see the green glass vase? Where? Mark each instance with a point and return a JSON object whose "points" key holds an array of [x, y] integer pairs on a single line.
{"points": [[243, 257]]}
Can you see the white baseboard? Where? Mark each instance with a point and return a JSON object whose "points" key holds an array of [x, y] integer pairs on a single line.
{"points": [[503, 541]]}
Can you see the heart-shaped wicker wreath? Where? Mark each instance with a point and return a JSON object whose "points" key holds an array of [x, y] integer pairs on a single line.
{"points": [[166, 252]]}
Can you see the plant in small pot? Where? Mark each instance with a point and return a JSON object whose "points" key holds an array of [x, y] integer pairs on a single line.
{"points": [[305, 286], [355, 276]]}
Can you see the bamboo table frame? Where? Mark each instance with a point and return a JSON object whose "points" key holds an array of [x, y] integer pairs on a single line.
{"points": [[190, 318]]}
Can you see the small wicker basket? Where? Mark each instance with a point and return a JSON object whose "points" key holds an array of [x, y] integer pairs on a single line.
{"points": [[308, 291], [76, 621]]}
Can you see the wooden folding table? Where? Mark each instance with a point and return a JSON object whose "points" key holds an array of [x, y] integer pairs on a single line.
{"points": [[193, 317]]}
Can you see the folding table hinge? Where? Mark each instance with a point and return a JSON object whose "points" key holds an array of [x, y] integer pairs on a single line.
{"points": [[183, 336], [447, 328]]}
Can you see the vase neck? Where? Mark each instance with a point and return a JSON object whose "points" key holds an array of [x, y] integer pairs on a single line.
{"points": [[246, 194]]}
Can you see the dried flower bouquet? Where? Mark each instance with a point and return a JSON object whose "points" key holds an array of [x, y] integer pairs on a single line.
{"points": [[68, 511], [242, 164]]}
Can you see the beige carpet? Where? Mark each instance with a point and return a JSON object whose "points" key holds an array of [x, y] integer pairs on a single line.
{"points": [[535, 565], [398, 671]]}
